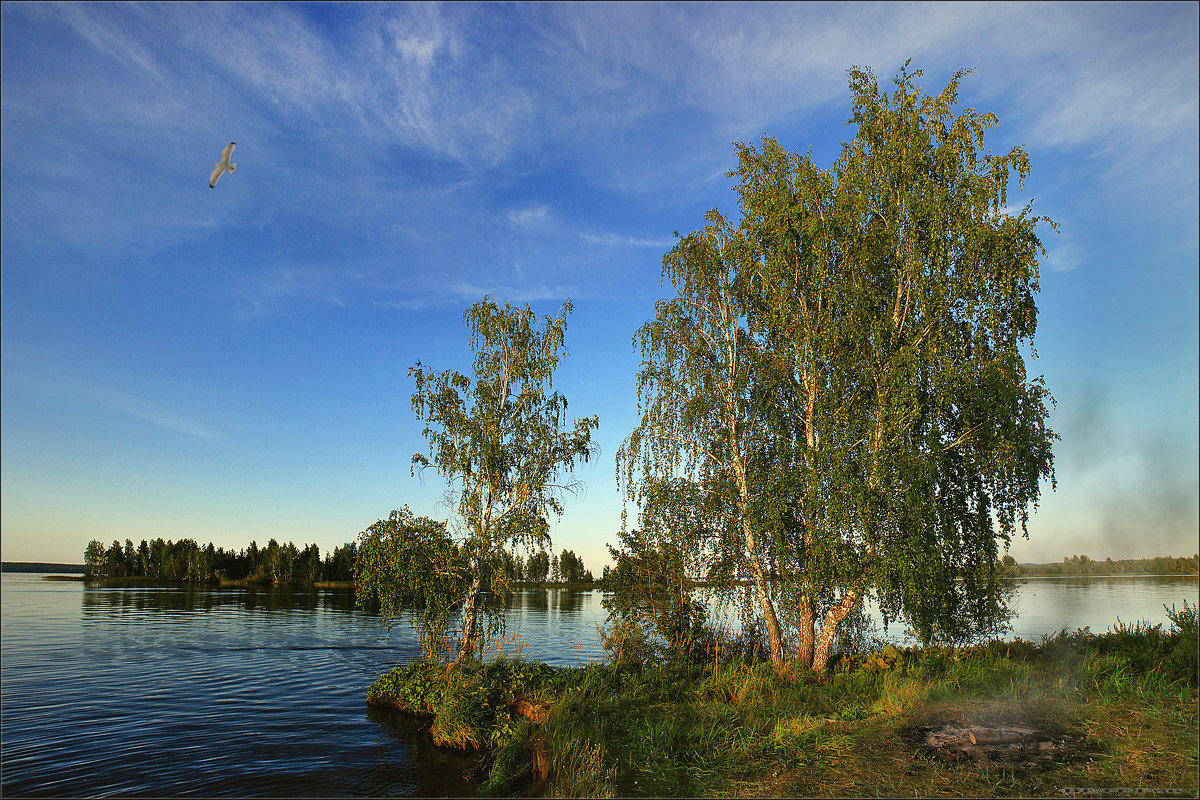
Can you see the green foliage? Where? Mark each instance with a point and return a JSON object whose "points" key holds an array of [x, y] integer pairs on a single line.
{"points": [[511, 761], [340, 565], [626, 641], [650, 588], [1182, 659], [570, 567], [1082, 565], [1141, 649], [840, 377], [418, 687], [538, 568], [472, 703], [582, 769], [501, 443], [93, 559], [407, 563]]}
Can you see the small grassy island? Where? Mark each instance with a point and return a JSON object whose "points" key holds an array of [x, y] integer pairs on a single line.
{"points": [[1014, 718]]}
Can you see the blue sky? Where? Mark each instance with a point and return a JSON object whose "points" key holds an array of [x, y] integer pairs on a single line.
{"points": [[232, 364]]}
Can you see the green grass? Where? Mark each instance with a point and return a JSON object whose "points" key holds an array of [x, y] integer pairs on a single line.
{"points": [[1128, 699]]}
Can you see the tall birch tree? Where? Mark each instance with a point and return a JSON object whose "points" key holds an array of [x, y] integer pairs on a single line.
{"points": [[694, 388], [844, 374]]}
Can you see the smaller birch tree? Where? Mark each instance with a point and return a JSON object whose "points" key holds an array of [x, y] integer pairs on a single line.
{"points": [[502, 443]]}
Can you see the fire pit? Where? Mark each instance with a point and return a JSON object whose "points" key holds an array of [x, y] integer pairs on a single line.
{"points": [[1019, 745]]}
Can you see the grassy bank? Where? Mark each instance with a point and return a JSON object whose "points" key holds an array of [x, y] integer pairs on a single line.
{"points": [[1078, 710]]}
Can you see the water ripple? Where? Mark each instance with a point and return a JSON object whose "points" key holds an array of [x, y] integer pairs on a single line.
{"points": [[164, 692]]}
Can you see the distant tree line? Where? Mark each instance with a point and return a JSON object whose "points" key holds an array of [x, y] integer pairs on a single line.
{"points": [[187, 561], [541, 567], [1082, 565], [40, 566]]}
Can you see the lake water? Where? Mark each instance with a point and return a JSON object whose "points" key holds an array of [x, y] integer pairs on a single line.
{"points": [[240, 693]]}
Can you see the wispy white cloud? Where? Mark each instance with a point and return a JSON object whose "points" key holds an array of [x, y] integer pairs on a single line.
{"points": [[407, 100], [43, 381], [110, 38], [618, 240], [419, 77], [746, 63], [269, 291], [1126, 72], [431, 77], [146, 410], [529, 217], [1064, 255], [1109, 81], [511, 293]]}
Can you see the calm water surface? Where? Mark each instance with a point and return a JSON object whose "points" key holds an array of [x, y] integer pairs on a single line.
{"points": [[238, 692]]}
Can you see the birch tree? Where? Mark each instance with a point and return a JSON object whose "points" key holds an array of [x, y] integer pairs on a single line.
{"points": [[843, 374], [501, 441], [699, 360]]}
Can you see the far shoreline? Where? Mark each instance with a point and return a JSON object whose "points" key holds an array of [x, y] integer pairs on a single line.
{"points": [[226, 583], [1073, 567], [1101, 575]]}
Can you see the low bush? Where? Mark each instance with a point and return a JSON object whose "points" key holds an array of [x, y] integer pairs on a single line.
{"points": [[473, 704]]}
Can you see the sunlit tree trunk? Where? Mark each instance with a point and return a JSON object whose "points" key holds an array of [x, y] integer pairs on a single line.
{"points": [[470, 622], [834, 617], [806, 623], [758, 574], [774, 632]]}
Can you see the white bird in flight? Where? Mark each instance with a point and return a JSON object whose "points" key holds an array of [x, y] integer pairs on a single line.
{"points": [[223, 165]]}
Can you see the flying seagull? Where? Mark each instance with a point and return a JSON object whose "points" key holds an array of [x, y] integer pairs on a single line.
{"points": [[223, 165]]}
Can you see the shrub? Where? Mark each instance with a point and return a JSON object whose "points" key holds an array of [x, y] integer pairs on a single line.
{"points": [[626, 641], [1180, 662]]}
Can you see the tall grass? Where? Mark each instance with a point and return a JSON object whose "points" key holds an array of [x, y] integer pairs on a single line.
{"points": [[734, 726]]}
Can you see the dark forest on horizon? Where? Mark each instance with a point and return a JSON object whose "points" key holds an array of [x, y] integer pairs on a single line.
{"points": [[185, 561], [1083, 566]]}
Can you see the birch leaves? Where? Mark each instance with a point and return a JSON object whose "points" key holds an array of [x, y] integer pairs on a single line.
{"points": [[501, 441], [841, 375]]}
